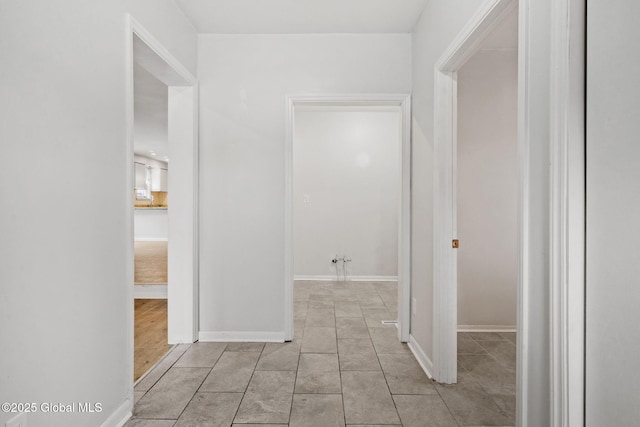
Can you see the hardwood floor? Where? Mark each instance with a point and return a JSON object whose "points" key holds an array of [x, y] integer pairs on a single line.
{"points": [[150, 262], [150, 334]]}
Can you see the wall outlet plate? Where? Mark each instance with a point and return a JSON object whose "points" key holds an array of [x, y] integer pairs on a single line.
{"points": [[414, 304], [19, 420]]}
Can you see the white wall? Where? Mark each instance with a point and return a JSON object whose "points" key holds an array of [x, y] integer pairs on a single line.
{"points": [[243, 82], [183, 226], [613, 209], [488, 189], [63, 292], [151, 224], [346, 185]]}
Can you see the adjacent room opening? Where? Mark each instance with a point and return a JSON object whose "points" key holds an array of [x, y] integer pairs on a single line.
{"points": [[477, 191], [151, 219], [161, 131], [347, 210], [487, 188], [349, 189]]}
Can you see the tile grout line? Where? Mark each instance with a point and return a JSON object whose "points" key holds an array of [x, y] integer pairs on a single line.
{"points": [[445, 402], [201, 382], [478, 383], [160, 377], [492, 355], [295, 380], [375, 350], [447, 406], [335, 317], [247, 387]]}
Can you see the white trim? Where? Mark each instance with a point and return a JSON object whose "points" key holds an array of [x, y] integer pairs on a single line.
{"points": [[182, 227], [404, 223], [150, 291], [152, 239], [488, 16], [424, 362], [129, 217], [120, 416], [524, 132], [486, 328], [567, 260], [404, 227], [162, 52], [196, 212], [332, 278], [241, 336], [320, 108], [288, 220]]}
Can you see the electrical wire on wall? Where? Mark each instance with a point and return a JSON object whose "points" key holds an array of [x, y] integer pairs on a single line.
{"points": [[344, 260], [335, 262]]}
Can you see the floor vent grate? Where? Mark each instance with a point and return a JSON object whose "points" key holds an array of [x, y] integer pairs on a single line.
{"points": [[390, 322]]}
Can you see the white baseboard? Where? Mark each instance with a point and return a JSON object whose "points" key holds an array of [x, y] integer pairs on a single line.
{"points": [[330, 278], [421, 357], [120, 416], [150, 291], [373, 278], [180, 339], [240, 336], [151, 239], [486, 328]]}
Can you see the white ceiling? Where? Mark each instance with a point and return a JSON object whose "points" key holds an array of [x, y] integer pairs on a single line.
{"points": [[151, 115], [302, 16]]}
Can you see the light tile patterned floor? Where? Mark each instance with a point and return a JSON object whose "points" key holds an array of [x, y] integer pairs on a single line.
{"points": [[343, 368]]}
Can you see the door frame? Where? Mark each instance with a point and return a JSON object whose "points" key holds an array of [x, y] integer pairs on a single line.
{"points": [[568, 212], [445, 281], [567, 195], [403, 101], [183, 257]]}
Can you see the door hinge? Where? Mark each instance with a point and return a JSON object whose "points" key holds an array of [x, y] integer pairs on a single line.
{"points": [[455, 243]]}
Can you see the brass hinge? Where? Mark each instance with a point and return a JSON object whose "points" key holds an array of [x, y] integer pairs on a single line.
{"points": [[455, 243]]}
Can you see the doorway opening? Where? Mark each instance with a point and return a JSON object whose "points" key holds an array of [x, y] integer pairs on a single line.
{"points": [[486, 181], [315, 260], [477, 193], [161, 130], [151, 203], [562, 154]]}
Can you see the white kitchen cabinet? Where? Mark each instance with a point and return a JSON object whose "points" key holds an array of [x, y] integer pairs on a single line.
{"points": [[140, 171], [159, 179]]}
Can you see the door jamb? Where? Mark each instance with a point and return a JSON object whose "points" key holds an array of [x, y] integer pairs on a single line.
{"points": [[404, 231], [568, 215]]}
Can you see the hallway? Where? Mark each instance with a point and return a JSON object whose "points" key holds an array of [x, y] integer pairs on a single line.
{"points": [[344, 367]]}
